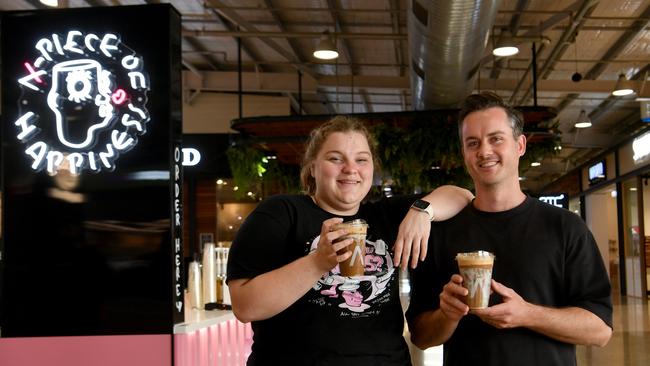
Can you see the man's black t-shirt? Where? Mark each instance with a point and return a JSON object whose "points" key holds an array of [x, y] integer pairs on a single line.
{"points": [[544, 253]]}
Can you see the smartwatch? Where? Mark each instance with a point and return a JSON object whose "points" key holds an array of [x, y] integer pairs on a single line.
{"points": [[424, 206]]}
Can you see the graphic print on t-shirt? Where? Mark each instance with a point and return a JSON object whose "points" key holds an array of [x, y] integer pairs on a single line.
{"points": [[357, 296]]}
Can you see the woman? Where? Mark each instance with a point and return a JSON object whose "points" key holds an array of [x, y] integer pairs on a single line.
{"points": [[283, 265]]}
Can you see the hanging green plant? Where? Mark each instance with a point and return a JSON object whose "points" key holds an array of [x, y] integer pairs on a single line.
{"points": [[417, 156], [252, 171], [422, 155], [281, 178], [244, 164]]}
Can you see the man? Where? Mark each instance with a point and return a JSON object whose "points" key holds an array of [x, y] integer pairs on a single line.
{"points": [[550, 290]]}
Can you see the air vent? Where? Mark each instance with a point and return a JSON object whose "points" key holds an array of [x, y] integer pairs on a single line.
{"points": [[420, 12]]}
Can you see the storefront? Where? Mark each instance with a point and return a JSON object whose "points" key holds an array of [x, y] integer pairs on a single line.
{"points": [[612, 194]]}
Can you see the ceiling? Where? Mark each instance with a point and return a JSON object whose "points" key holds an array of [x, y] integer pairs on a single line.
{"points": [[598, 39]]}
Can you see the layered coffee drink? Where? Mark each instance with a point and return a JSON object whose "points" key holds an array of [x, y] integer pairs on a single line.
{"points": [[355, 265], [476, 269]]}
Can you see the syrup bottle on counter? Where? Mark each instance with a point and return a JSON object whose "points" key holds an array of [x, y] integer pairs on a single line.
{"points": [[226, 303], [223, 295], [219, 278], [194, 284], [209, 277]]}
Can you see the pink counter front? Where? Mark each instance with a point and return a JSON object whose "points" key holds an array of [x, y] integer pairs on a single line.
{"points": [[131, 350], [206, 338], [210, 338]]}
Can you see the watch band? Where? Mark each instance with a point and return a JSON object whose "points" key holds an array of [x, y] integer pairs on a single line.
{"points": [[424, 206]]}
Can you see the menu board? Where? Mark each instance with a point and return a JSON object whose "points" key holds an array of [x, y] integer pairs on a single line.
{"points": [[91, 172]]}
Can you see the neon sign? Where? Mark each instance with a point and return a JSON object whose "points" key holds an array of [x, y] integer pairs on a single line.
{"points": [[95, 90], [559, 200]]}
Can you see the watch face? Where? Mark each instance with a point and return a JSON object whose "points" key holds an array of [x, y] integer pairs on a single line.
{"points": [[421, 204]]}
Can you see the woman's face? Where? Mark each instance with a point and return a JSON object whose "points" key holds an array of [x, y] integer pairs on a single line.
{"points": [[343, 171]]}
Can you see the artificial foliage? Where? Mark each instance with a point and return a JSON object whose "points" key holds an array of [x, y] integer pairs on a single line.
{"points": [[253, 171], [420, 156], [414, 157]]}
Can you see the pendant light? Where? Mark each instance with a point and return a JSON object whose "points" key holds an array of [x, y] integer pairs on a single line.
{"points": [[505, 46], [622, 88], [583, 120], [326, 49]]}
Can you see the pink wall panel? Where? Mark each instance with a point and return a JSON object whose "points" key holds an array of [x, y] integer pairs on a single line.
{"points": [[132, 350]]}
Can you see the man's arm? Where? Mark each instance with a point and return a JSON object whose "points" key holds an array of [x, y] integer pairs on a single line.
{"points": [[431, 328], [571, 324], [435, 327]]}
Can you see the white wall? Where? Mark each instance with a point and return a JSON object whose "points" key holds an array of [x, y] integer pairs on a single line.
{"points": [[601, 220], [646, 211], [212, 112]]}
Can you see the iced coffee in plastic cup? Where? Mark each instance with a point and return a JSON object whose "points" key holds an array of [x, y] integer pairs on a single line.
{"points": [[355, 265], [476, 269]]}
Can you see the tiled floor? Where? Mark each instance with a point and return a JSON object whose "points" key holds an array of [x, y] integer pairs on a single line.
{"points": [[629, 345]]}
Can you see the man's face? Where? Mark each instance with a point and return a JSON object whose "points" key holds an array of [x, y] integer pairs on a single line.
{"points": [[491, 152]]}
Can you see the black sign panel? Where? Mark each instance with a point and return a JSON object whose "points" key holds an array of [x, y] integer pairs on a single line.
{"points": [[91, 168], [555, 199], [205, 155]]}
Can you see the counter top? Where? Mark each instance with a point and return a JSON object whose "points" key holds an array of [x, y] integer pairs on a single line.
{"points": [[199, 319]]}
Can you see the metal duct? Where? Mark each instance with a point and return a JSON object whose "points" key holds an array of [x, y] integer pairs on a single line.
{"points": [[446, 41]]}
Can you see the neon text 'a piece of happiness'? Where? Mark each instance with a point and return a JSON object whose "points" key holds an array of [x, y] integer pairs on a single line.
{"points": [[83, 102]]}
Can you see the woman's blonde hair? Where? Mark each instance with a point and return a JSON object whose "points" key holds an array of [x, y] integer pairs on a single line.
{"points": [[317, 138]]}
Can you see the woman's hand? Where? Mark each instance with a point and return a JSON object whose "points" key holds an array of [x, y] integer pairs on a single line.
{"points": [[270, 293], [413, 236], [412, 239], [326, 251]]}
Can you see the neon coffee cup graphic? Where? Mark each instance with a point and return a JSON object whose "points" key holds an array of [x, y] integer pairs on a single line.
{"points": [[79, 85]]}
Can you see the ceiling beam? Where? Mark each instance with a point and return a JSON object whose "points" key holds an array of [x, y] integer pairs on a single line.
{"points": [[586, 8], [280, 23], [288, 82], [537, 31], [513, 28], [294, 34], [243, 23], [616, 49]]}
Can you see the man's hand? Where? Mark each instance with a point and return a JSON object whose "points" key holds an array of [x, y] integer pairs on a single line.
{"points": [[452, 304], [512, 312]]}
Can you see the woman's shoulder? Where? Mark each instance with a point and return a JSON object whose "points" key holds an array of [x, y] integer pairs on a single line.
{"points": [[287, 201]]}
